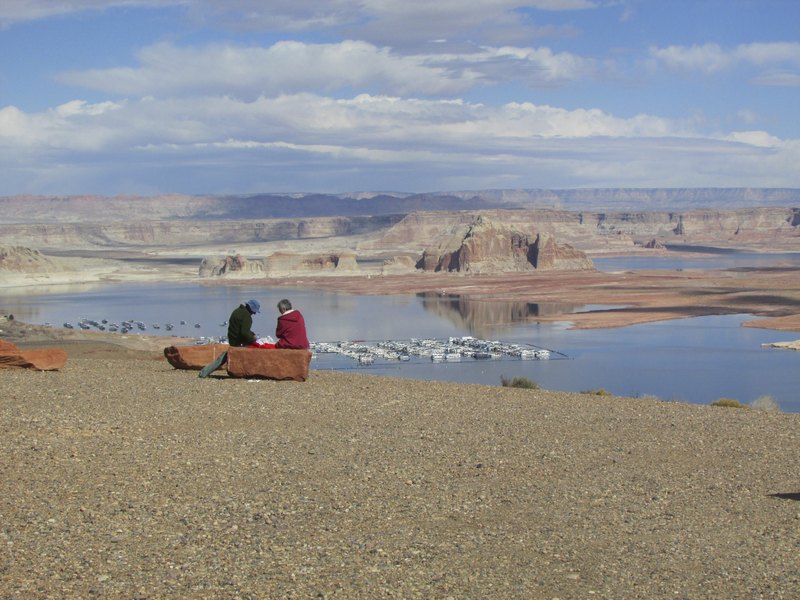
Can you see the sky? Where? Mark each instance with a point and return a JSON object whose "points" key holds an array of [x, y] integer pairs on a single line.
{"points": [[147, 97]]}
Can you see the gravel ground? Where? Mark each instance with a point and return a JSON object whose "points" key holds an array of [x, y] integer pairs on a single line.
{"points": [[125, 478]]}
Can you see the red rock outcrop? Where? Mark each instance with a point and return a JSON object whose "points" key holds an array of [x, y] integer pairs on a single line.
{"points": [[46, 359], [547, 255], [487, 247]]}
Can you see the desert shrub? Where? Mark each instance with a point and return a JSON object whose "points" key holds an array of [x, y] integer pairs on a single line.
{"points": [[728, 403], [519, 382], [597, 392], [766, 403]]}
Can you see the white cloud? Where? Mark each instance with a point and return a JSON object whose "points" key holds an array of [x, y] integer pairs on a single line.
{"points": [[286, 67], [292, 66], [762, 139], [14, 11], [711, 58], [317, 138], [290, 15], [778, 78]]}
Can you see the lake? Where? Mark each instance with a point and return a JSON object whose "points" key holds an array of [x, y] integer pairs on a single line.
{"points": [[694, 360]]}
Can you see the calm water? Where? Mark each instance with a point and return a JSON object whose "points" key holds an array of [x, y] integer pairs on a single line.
{"points": [[694, 360]]}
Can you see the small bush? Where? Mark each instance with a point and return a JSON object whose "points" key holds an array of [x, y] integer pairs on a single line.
{"points": [[597, 392], [519, 382], [766, 403], [728, 403]]}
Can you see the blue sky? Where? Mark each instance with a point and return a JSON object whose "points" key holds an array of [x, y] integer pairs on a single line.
{"points": [[209, 97]]}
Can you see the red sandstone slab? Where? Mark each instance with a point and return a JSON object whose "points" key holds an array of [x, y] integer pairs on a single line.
{"points": [[194, 357], [51, 359], [266, 363]]}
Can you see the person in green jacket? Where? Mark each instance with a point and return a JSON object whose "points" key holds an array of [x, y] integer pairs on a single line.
{"points": [[240, 324]]}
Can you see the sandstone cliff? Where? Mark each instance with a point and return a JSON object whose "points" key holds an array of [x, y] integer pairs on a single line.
{"points": [[488, 247], [169, 234]]}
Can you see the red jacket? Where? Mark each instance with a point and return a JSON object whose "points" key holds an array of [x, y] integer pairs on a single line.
{"points": [[291, 330]]}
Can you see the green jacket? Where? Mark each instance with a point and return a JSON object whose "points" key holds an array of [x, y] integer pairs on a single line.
{"points": [[239, 327]]}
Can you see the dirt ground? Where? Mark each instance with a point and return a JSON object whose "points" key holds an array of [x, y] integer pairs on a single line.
{"points": [[127, 478]]}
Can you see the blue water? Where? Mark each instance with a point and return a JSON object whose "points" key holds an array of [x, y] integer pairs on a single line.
{"points": [[694, 360]]}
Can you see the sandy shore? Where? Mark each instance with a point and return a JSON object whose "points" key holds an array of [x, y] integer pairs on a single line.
{"points": [[124, 478]]}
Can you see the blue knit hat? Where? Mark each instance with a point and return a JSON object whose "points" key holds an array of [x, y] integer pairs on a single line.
{"points": [[253, 305]]}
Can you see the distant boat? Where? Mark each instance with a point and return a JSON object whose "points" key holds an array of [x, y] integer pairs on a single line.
{"points": [[69, 326]]}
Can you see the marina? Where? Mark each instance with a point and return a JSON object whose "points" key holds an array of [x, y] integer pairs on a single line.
{"points": [[453, 349]]}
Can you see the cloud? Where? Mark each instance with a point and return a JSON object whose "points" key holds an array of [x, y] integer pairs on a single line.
{"points": [[712, 58], [778, 78], [285, 67], [397, 23], [291, 67], [372, 141], [15, 11]]}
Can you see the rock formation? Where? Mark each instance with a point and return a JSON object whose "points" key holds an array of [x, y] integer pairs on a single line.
{"points": [[487, 247], [21, 259], [281, 264], [398, 265], [548, 255], [230, 266]]}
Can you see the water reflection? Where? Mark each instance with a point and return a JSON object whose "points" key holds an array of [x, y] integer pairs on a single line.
{"points": [[482, 317]]}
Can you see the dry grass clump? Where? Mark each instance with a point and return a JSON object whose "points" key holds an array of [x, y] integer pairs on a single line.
{"points": [[597, 392], [728, 403], [765, 403], [519, 382]]}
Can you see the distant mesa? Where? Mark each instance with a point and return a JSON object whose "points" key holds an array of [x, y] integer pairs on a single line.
{"points": [[483, 246], [278, 264]]}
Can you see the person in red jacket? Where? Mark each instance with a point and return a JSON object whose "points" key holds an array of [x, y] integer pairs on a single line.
{"points": [[291, 328]]}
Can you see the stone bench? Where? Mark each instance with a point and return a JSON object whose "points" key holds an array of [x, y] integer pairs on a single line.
{"points": [[264, 363], [280, 364], [194, 357]]}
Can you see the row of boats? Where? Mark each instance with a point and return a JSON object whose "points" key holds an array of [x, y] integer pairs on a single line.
{"points": [[124, 327], [454, 349]]}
